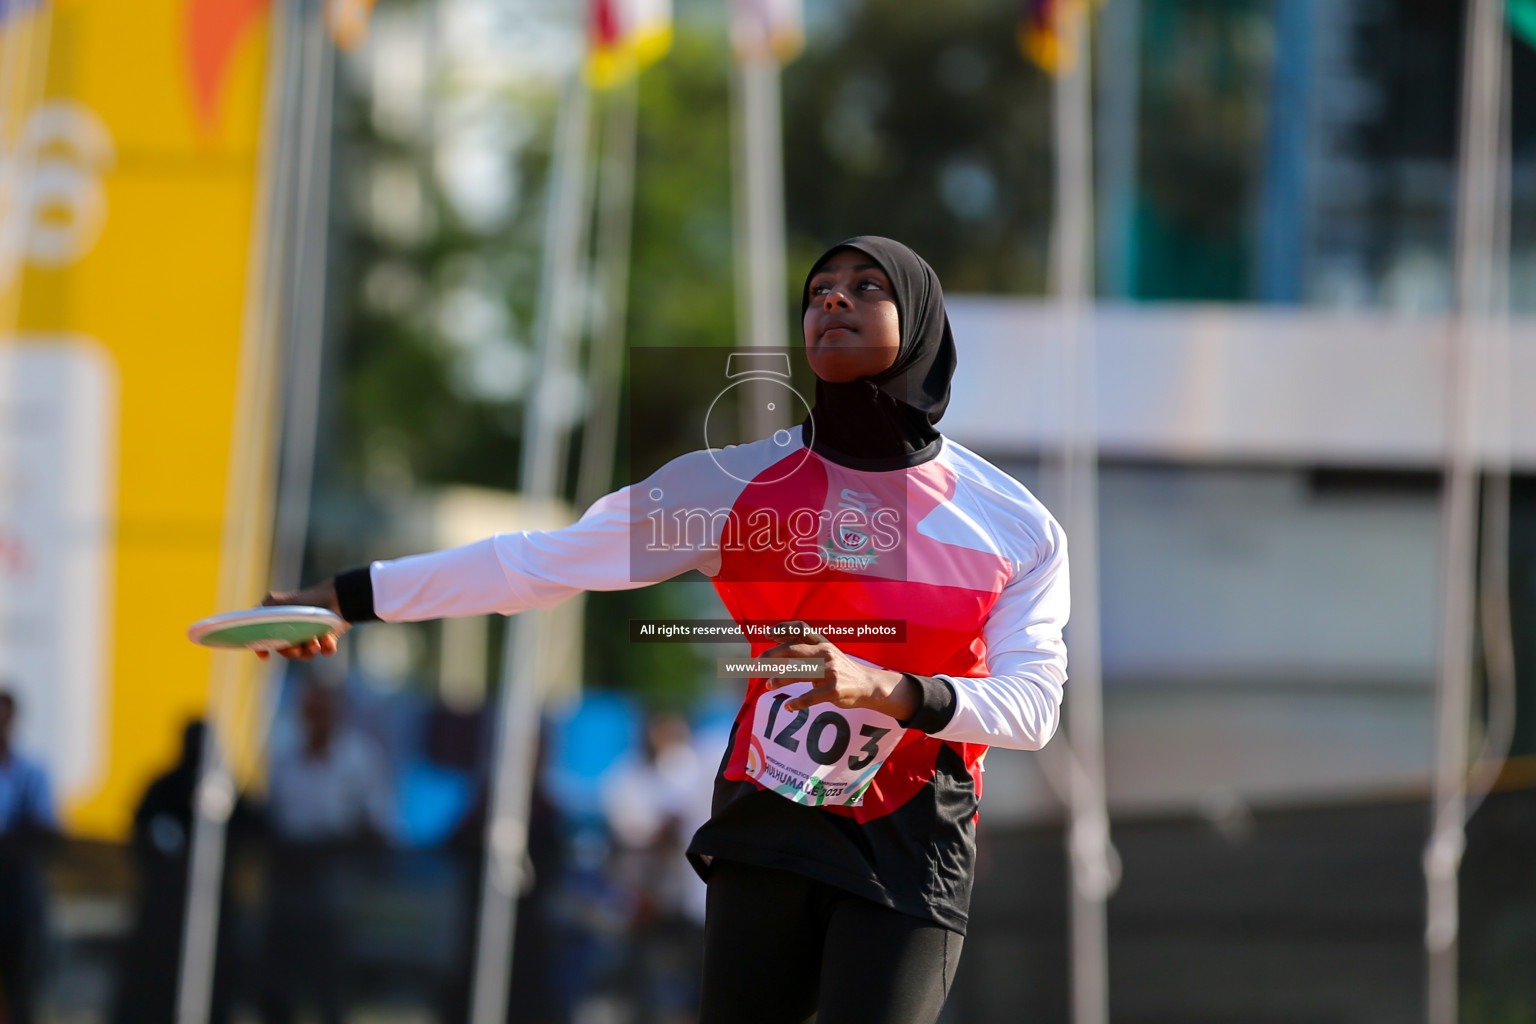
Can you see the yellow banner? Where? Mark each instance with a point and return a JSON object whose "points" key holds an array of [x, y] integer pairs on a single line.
{"points": [[125, 375]]}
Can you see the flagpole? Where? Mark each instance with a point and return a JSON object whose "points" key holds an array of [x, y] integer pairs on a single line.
{"points": [[760, 247], [305, 321], [214, 796], [1093, 868], [524, 660], [1479, 266], [615, 216]]}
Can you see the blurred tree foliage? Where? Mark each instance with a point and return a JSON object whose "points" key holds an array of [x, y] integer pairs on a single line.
{"points": [[681, 295], [682, 278], [682, 274], [918, 121], [405, 414], [408, 409], [900, 118], [924, 123]]}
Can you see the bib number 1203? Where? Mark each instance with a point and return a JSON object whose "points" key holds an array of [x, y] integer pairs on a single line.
{"points": [[817, 755], [818, 747]]}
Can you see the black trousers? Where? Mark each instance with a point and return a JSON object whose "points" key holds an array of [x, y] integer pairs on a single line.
{"points": [[781, 948]]}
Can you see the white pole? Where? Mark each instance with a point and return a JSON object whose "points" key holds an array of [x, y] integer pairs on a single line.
{"points": [[1093, 869], [1498, 647], [215, 794], [544, 428], [1477, 238], [306, 307], [760, 255], [763, 149], [606, 364]]}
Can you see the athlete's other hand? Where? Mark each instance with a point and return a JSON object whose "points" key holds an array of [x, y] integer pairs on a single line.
{"points": [[321, 595], [844, 682]]}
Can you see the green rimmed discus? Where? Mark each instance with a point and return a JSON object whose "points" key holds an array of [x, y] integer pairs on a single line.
{"points": [[266, 629]]}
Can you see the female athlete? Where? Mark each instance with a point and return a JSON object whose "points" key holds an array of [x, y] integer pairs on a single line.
{"points": [[840, 853]]}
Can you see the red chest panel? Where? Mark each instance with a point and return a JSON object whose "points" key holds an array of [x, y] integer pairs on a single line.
{"points": [[828, 542]]}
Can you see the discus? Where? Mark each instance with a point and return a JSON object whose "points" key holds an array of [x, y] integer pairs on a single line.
{"points": [[266, 629]]}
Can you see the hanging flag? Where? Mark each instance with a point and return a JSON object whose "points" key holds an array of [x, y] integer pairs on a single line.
{"points": [[762, 29], [1049, 31], [214, 35], [624, 37], [347, 21]]}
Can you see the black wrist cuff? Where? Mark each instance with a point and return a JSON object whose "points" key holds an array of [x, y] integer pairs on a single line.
{"points": [[937, 706], [354, 595]]}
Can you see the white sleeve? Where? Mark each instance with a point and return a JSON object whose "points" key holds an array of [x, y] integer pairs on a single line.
{"points": [[1019, 705], [647, 532], [511, 572]]}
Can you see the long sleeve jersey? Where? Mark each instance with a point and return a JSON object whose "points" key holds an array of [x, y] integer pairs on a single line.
{"points": [[953, 547]]}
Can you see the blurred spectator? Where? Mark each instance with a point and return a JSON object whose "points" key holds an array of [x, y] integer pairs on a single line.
{"points": [[653, 805], [328, 801], [28, 822], [150, 972]]}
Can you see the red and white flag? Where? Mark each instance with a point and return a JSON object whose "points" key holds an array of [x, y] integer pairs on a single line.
{"points": [[624, 37]]}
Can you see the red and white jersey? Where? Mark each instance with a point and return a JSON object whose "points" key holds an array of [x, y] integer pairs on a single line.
{"points": [[954, 547]]}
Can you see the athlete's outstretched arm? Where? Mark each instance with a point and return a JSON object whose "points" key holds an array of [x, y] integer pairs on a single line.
{"points": [[662, 527], [504, 573], [511, 572]]}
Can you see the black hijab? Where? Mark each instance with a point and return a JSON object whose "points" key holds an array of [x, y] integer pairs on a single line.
{"points": [[887, 421]]}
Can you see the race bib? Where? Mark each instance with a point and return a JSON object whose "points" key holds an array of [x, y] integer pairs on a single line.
{"points": [[818, 755]]}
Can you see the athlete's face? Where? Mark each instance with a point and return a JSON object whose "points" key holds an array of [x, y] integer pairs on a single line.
{"points": [[851, 325]]}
